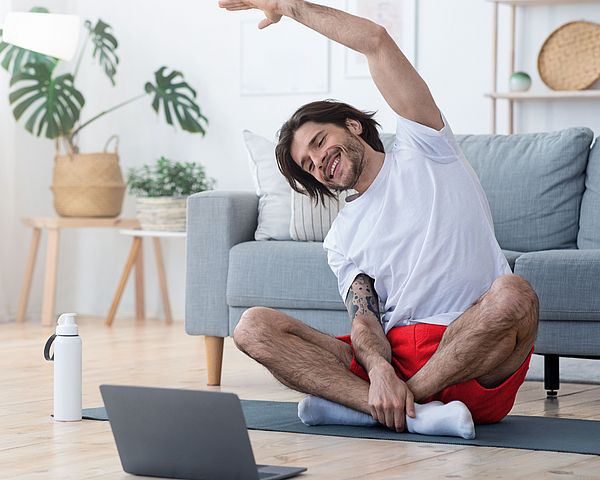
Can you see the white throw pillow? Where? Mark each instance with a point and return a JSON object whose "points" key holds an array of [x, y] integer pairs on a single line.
{"points": [[310, 222], [271, 187]]}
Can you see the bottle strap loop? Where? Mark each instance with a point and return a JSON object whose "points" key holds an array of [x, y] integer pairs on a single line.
{"points": [[47, 348]]}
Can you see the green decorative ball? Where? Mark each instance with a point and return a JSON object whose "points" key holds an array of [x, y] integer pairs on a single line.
{"points": [[519, 82]]}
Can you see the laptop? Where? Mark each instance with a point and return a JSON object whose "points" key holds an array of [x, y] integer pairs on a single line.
{"points": [[186, 434]]}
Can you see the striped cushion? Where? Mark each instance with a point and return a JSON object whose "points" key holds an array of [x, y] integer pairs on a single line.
{"points": [[310, 222]]}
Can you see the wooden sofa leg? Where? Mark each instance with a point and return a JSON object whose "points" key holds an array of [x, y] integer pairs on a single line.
{"points": [[214, 359], [551, 375]]}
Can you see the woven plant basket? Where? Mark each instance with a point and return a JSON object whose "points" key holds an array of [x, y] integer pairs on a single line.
{"points": [[570, 56], [88, 185], [161, 213]]}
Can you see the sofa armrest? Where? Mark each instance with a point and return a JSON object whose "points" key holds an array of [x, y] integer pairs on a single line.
{"points": [[216, 221], [567, 282]]}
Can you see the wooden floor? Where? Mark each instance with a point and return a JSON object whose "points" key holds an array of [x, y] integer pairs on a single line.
{"points": [[32, 445]]}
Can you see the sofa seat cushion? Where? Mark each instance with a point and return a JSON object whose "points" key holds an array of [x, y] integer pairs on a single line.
{"points": [[568, 337], [511, 257], [534, 183], [567, 283], [282, 274]]}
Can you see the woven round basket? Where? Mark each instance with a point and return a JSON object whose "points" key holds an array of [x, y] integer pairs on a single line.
{"points": [[570, 56], [88, 185], [161, 213]]}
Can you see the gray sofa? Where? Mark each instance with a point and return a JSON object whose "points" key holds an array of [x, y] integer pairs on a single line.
{"points": [[544, 193]]}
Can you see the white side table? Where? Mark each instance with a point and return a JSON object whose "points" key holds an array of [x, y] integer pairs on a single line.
{"points": [[136, 258]]}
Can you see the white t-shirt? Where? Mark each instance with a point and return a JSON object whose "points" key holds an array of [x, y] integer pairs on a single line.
{"points": [[422, 230]]}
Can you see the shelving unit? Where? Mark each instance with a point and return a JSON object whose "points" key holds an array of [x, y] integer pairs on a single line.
{"points": [[512, 97]]}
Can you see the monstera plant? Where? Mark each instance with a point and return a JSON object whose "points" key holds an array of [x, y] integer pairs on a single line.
{"points": [[53, 103], [44, 93]]}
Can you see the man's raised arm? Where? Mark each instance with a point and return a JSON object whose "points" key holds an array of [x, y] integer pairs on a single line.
{"points": [[389, 397], [400, 84]]}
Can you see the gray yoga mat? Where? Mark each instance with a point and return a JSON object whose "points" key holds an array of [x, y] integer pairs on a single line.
{"points": [[515, 431]]}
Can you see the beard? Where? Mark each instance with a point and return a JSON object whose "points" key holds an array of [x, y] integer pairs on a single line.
{"points": [[354, 152]]}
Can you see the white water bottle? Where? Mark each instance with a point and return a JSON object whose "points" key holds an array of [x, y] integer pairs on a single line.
{"points": [[67, 369]]}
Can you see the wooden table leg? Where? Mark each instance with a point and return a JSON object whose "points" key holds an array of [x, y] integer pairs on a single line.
{"points": [[33, 249], [131, 259], [49, 296], [162, 280], [140, 309]]}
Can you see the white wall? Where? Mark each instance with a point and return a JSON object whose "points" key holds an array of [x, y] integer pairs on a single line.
{"points": [[25, 177], [202, 41], [7, 207]]}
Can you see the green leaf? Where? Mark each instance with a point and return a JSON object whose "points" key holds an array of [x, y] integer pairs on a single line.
{"points": [[14, 58], [54, 103], [105, 46], [168, 179], [177, 98]]}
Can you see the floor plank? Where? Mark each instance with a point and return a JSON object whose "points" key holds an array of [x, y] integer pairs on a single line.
{"points": [[151, 353]]}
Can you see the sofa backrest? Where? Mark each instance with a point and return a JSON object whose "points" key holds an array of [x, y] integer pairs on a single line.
{"points": [[534, 183], [589, 219]]}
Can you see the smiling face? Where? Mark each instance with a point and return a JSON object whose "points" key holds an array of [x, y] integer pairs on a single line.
{"points": [[334, 156]]}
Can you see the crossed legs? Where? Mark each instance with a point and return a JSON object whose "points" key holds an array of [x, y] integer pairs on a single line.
{"points": [[487, 342]]}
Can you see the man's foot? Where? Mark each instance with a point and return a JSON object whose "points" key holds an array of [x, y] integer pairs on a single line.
{"points": [[434, 418], [452, 419], [318, 411]]}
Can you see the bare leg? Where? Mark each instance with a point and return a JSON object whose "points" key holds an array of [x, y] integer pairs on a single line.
{"points": [[488, 342], [300, 357]]}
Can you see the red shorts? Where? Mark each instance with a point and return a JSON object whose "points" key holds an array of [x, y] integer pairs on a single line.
{"points": [[413, 346]]}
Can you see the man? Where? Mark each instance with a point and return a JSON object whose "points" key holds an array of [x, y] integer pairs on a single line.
{"points": [[417, 238]]}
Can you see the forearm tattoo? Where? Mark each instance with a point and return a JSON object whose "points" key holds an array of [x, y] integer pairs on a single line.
{"points": [[361, 298], [368, 339]]}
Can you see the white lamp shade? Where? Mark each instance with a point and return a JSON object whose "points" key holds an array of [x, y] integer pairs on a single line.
{"points": [[52, 34]]}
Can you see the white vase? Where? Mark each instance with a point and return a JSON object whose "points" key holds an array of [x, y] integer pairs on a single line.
{"points": [[161, 213]]}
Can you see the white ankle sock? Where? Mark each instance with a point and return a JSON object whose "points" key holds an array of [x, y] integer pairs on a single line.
{"points": [[434, 418], [318, 411], [452, 419]]}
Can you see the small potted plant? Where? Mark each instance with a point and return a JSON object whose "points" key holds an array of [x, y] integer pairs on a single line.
{"points": [[162, 191]]}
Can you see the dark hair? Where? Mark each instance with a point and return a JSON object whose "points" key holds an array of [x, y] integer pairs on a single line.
{"points": [[323, 111]]}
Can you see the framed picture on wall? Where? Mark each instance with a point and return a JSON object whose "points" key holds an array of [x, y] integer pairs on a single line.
{"points": [[399, 17], [283, 60]]}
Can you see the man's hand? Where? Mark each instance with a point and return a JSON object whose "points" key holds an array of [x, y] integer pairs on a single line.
{"points": [[269, 7], [390, 399]]}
